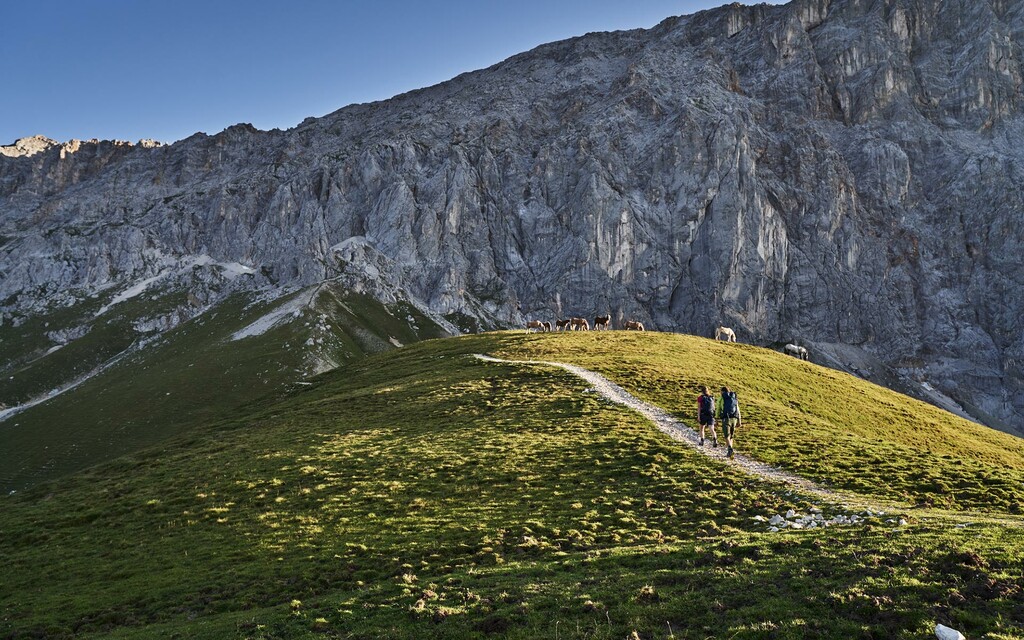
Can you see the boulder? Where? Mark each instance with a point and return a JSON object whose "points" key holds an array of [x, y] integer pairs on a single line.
{"points": [[942, 632]]}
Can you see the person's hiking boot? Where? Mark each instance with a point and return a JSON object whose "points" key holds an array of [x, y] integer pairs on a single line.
{"points": [[729, 453], [702, 442], [715, 443]]}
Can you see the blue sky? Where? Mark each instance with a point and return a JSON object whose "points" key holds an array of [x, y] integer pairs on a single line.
{"points": [[164, 69]]}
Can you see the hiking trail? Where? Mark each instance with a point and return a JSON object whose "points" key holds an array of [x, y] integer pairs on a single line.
{"points": [[675, 429]]}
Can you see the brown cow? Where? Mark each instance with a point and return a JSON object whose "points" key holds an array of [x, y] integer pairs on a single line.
{"points": [[579, 324], [535, 324], [602, 322], [547, 326], [634, 325], [561, 324]]}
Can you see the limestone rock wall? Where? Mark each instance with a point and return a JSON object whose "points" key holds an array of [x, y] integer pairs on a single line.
{"points": [[835, 171]]}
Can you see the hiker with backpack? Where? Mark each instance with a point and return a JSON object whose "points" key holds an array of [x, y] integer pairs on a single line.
{"points": [[730, 417], [706, 414]]}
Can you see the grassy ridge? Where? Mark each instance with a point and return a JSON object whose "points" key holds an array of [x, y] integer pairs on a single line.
{"points": [[28, 370], [421, 493], [818, 422], [150, 394], [191, 375]]}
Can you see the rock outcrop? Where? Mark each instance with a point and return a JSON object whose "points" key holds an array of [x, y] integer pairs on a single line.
{"points": [[833, 171], [27, 146]]}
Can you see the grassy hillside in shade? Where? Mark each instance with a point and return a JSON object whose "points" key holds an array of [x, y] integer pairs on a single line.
{"points": [[191, 375], [833, 428], [424, 494], [30, 366]]}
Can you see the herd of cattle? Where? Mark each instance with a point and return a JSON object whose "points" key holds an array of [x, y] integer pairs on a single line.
{"points": [[605, 323], [581, 324]]}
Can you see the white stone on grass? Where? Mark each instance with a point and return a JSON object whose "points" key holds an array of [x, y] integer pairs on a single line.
{"points": [[942, 632]]}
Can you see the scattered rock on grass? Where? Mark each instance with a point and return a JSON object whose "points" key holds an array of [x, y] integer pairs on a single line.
{"points": [[815, 519], [942, 632]]}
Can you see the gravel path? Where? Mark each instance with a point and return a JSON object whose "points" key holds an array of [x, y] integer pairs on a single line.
{"points": [[678, 431]]}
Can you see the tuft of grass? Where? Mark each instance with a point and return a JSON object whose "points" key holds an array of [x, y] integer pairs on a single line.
{"points": [[422, 493]]}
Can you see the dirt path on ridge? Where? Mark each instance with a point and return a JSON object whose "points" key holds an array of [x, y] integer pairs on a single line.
{"points": [[675, 429]]}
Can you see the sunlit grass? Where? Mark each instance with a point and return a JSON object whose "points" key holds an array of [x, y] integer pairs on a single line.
{"points": [[820, 423]]}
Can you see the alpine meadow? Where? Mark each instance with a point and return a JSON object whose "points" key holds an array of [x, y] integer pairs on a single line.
{"points": [[424, 493]]}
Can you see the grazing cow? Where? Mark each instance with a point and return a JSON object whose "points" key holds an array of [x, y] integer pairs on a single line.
{"points": [[725, 333], [602, 322], [579, 324], [562, 324], [536, 324], [547, 326], [796, 351], [633, 325]]}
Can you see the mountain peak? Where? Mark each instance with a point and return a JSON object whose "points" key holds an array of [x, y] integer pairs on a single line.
{"points": [[28, 146]]}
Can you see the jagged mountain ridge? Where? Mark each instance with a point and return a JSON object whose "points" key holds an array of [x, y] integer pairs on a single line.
{"points": [[833, 172]]}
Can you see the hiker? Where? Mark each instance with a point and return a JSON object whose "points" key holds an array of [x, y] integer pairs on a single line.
{"points": [[706, 414], [730, 417]]}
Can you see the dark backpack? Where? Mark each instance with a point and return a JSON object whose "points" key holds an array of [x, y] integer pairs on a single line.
{"points": [[730, 405], [707, 407]]}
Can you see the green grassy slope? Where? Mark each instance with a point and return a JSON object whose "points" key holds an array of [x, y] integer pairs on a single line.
{"points": [[192, 374], [422, 493], [28, 368], [831, 427]]}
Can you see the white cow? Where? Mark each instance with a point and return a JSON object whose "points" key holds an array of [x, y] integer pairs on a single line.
{"points": [[796, 350], [725, 333]]}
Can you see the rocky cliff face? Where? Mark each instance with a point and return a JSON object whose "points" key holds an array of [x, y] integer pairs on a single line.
{"points": [[836, 172]]}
